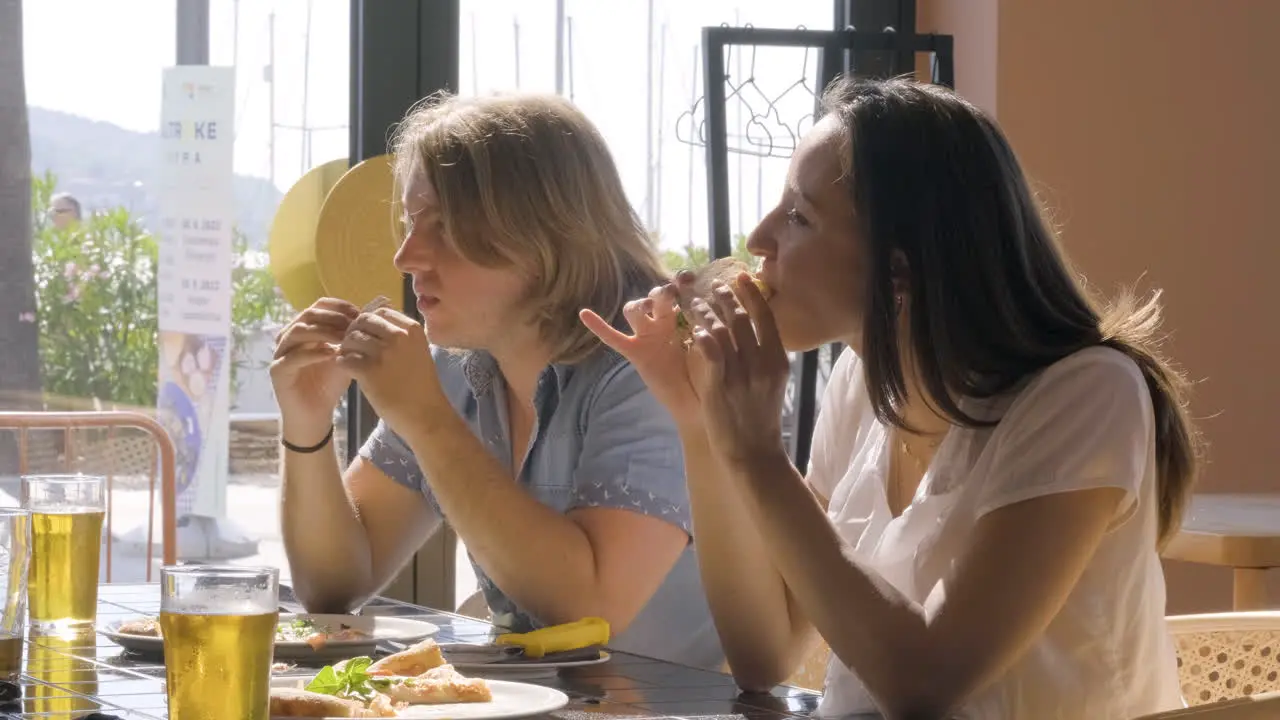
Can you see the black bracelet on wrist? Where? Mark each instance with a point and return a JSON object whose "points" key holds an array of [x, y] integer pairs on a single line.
{"points": [[308, 450]]}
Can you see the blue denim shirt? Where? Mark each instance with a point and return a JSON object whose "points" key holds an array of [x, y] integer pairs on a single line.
{"points": [[600, 440]]}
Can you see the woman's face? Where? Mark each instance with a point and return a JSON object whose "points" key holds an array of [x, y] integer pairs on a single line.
{"points": [[813, 253], [463, 305]]}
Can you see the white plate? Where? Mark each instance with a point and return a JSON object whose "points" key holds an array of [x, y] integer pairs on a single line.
{"points": [[379, 627], [515, 667], [510, 700]]}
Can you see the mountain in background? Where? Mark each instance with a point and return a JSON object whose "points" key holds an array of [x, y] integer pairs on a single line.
{"points": [[104, 166]]}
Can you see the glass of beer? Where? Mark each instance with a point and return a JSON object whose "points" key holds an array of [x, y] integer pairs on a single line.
{"points": [[66, 537], [219, 629], [15, 551]]}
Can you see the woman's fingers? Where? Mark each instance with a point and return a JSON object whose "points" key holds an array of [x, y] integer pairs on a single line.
{"points": [[608, 334], [766, 326], [735, 317], [636, 313], [664, 302]]}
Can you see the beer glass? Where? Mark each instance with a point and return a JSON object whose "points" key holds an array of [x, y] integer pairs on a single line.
{"points": [[219, 629], [66, 537], [15, 550]]}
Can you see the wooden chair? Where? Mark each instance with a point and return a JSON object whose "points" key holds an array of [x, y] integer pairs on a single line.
{"points": [[101, 443]]}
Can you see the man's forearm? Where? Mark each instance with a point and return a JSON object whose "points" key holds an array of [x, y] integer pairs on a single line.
{"points": [[325, 543], [750, 602], [541, 559]]}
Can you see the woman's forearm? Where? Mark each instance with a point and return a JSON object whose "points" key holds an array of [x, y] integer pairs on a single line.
{"points": [[763, 636]]}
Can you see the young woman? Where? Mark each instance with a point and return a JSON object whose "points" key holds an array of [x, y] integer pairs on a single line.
{"points": [[542, 449], [996, 461]]}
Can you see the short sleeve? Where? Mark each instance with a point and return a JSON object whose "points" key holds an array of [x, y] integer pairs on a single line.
{"points": [[388, 452], [631, 455], [835, 431], [1086, 422]]}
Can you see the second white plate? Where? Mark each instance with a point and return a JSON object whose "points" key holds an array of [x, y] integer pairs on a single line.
{"points": [[378, 627]]}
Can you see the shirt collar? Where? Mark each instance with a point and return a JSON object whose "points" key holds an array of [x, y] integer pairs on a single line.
{"points": [[480, 368]]}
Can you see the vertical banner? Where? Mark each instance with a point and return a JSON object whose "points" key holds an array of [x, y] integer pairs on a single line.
{"points": [[197, 212]]}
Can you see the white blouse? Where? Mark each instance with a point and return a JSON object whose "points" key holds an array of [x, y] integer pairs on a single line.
{"points": [[1084, 422]]}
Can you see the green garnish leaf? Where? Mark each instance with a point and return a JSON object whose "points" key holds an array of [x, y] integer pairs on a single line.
{"points": [[352, 681], [326, 682]]}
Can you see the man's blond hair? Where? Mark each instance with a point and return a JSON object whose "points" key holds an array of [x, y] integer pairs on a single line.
{"points": [[526, 181]]}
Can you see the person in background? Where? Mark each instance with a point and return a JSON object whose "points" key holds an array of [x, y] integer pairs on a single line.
{"points": [[64, 211], [997, 461], [499, 412]]}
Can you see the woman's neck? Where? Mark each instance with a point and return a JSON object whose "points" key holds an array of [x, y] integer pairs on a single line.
{"points": [[920, 412]]}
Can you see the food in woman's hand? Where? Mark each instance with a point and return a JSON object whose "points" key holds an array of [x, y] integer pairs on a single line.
{"points": [[697, 283], [410, 662]]}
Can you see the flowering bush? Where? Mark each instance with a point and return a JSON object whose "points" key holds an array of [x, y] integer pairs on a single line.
{"points": [[96, 304]]}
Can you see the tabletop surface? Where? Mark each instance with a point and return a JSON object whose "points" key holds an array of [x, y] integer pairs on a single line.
{"points": [[1239, 515], [1235, 530], [72, 677]]}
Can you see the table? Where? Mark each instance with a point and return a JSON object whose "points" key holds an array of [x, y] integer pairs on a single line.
{"points": [[1241, 532], [69, 678]]}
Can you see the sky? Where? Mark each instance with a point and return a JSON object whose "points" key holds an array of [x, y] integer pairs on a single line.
{"points": [[103, 61]]}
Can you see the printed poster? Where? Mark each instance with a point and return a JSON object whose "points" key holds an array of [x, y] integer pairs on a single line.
{"points": [[197, 212]]}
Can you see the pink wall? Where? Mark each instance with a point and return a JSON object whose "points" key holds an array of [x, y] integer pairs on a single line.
{"points": [[1152, 128]]}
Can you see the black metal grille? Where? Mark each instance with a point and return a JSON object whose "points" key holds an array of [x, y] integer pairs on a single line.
{"points": [[769, 133]]}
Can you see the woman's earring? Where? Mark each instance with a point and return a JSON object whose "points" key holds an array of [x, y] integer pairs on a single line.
{"points": [[897, 306]]}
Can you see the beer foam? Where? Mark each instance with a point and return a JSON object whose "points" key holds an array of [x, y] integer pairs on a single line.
{"points": [[221, 601]]}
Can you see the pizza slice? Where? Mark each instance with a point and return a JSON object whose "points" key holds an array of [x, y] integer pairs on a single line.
{"points": [[410, 662], [440, 685], [294, 703]]}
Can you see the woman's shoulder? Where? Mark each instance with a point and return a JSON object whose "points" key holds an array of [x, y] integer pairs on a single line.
{"points": [[1093, 372]]}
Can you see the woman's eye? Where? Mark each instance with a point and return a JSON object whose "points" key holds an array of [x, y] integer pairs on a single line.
{"points": [[795, 218]]}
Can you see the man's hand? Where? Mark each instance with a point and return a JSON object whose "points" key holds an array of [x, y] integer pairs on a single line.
{"points": [[388, 354]]}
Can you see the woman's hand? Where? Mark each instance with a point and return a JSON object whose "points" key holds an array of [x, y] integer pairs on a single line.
{"points": [[305, 375], [746, 372], [656, 350], [388, 354]]}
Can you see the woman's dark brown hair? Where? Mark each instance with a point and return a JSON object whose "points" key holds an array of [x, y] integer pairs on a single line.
{"points": [[935, 183]]}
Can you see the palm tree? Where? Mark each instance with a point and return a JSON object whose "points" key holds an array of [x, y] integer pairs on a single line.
{"points": [[19, 349]]}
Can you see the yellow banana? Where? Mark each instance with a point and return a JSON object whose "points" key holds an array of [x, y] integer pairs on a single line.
{"points": [[559, 638]]}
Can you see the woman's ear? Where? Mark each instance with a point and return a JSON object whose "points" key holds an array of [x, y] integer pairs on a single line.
{"points": [[899, 275]]}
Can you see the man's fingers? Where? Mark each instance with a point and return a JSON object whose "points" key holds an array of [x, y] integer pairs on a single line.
{"points": [[395, 317], [302, 334], [302, 357], [337, 305]]}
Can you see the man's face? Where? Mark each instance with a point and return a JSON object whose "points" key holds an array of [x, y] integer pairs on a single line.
{"points": [[63, 213]]}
